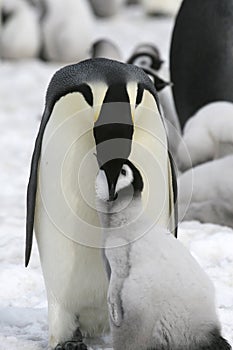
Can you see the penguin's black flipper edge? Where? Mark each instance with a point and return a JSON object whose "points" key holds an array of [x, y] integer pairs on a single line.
{"points": [[174, 195], [32, 189]]}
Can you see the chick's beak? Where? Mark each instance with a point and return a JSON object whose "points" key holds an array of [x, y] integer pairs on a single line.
{"points": [[112, 171]]}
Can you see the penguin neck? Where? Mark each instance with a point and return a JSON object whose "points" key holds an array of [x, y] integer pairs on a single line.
{"points": [[121, 212]]}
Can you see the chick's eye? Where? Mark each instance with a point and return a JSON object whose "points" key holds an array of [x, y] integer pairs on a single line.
{"points": [[123, 172]]}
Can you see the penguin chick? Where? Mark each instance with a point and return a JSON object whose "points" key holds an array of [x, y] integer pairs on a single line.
{"points": [[158, 296], [212, 195], [20, 33], [105, 48], [207, 135]]}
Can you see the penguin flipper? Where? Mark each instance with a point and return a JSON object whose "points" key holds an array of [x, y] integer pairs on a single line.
{"points": [[32, 189], [173, 196]]}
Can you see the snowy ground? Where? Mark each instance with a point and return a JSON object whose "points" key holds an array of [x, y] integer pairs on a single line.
{"points": [[23, 322]]}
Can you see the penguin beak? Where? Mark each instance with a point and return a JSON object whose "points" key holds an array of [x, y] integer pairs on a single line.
{"points": [[112, 171], [112, 194]]}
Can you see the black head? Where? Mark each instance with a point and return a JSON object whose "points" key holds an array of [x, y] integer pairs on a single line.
{"points": [[117, 176]]}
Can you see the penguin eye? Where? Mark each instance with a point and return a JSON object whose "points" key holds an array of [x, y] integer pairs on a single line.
{"points": [[123, 172]]}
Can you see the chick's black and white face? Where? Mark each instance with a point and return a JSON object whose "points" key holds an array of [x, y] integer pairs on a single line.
{"points": [[125, 179]]}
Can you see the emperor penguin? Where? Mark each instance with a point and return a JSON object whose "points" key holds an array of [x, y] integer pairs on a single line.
{"points": [[207, 136], [148, 57], [212, 195], [67, 30], [98, 113], [201, 55], [20, 30], [158, 295]]}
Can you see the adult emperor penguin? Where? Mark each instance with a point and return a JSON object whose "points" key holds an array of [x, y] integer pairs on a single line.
{"points": [[201, 55], [158, 296], [148, 57], [20, 32], [110, 109]]}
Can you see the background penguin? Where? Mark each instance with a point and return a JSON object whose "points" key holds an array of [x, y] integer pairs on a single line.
{"points": [[212, 197], [148, 57], [72, 43], [83, 115], [158, 296], [106, 49], [201, 55], [207, 136], [20, 31], [161, 7], [103, 8]]}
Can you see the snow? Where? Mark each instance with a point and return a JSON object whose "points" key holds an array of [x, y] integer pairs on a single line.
{"points": [[23, 315]]}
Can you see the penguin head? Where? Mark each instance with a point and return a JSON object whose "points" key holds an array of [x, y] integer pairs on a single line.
{"points": [[105, 48], [118, 177], [146, 56]]}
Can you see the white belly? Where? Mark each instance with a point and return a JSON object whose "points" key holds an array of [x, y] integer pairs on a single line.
{"points": [[74, 275], [66, 224]]}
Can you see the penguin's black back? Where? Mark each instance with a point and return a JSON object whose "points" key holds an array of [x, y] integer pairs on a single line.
{"points": [[201, 57]]}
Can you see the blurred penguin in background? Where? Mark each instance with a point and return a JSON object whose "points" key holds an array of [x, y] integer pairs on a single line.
{"points": [[161, 7], [103, 8], [212, 193], [148, 57], [105, 48], [20, 30], [208, 135], [67, 30]]}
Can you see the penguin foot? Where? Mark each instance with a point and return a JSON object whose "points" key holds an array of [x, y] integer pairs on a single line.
{"points": [[71, 345]]}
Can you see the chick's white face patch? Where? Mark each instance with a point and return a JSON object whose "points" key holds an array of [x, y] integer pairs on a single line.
{"points": [[124, 180]]}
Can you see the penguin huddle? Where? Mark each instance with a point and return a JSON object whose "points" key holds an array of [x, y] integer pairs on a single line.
{"points": [[46, 29], [55, 30]]}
